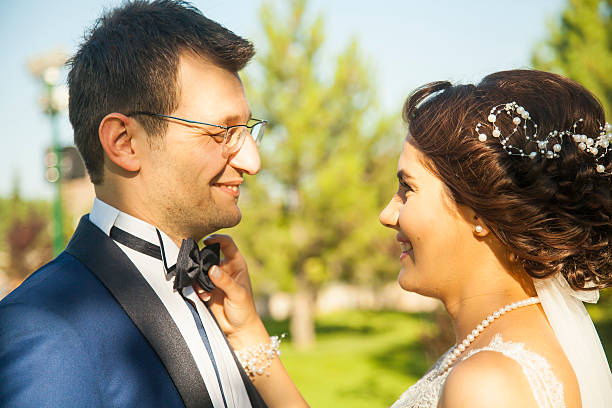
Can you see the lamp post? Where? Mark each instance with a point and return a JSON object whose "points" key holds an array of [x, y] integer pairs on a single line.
{"points": [[47, 68]]}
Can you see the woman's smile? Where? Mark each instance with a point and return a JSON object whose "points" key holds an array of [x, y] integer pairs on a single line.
{"points": [[405, 245]]}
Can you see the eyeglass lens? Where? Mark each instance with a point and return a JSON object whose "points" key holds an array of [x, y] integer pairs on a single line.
{"points": [[236, 136]]}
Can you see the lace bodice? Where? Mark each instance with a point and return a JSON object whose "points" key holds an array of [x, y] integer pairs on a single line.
{"points": [[546, 389]]}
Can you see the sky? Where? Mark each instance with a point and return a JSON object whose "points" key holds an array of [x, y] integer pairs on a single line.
{"points": [[407, 42]]}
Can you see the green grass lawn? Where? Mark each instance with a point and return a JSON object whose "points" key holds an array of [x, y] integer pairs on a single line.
{"points": [[360, 359], [367, 359]]}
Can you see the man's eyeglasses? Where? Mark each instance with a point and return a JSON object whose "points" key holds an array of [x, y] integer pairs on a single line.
{"points": [[234, 135]]}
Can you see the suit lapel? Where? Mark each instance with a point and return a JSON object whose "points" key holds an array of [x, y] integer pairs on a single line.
{"points": [[108, 262]]}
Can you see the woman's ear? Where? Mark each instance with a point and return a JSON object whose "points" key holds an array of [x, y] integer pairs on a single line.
{"points": [[479, 227], [117, 140], [476, 223]]}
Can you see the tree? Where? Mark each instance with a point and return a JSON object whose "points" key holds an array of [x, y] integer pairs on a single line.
{"points": [[25, 235], [580, 47], [329, 160]]}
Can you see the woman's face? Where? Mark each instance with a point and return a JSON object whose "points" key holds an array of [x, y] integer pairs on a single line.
{"points": [[435, 237]]}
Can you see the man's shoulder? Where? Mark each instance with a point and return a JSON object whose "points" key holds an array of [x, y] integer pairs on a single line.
{"points": [[64, 277], [64, 289], [66, 341], [61, 278], [63, 300]]}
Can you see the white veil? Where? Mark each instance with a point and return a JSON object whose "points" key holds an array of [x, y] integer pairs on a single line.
{"points": [[576, 334]]}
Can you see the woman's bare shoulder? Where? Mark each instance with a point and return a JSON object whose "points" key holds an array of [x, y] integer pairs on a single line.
{"points": [[487, 379]]}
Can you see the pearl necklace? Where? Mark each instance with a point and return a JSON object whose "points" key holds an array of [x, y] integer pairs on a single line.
{"points": [[460, 347]]}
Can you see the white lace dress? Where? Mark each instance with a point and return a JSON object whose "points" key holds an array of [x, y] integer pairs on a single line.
{"points": [[546, 389]]}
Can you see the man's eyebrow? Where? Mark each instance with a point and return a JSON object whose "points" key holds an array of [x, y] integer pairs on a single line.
{"points": [[235, 119]]}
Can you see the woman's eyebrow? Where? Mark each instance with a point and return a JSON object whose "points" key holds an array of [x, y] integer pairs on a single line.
{"points": [[403, 175]]}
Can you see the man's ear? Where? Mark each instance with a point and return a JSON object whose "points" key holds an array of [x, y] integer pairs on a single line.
{"points": [[117, 140]]}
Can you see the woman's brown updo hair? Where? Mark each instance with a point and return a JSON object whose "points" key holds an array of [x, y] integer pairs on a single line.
{"points": [[554, 214]]}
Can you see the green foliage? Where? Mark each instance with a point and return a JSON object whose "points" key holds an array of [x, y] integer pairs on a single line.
{"points": [[15, 208], [367, 358], [580, 47], [24, 234], [328, 160]]}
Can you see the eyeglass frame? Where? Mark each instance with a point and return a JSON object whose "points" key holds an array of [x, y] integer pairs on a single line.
{"points": [[227, 128]]}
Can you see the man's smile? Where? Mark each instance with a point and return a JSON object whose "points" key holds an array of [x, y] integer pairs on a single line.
{"points": [[230, 187]]}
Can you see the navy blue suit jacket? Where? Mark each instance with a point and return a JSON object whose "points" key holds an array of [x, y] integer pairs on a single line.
{"points": [[86, 330]]}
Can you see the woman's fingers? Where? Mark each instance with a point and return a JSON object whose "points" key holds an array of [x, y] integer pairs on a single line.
{"points": [[228, 247], [226, 283], [233, 263], [202, 294]]}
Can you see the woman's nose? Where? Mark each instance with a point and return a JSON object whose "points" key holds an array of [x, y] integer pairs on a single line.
{"points": [[389, 215]]}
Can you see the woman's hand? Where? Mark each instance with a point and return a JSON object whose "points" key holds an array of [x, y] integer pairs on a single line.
{"points": [[232, 304], [232, 300]]}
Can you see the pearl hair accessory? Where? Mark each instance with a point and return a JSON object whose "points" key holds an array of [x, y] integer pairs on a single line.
{"points": [[256, 359], [549, 146], [461, 347]]}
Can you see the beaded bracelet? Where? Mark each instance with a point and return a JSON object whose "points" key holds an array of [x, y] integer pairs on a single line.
{"points": [[256, 359]]}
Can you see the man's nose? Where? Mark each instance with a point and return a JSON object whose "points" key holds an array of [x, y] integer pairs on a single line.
{"points": [[247, 159], [389, 216]]}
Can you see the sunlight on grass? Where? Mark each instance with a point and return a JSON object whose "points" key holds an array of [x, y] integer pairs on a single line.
{"points": [[365, 359], [360, 359]]}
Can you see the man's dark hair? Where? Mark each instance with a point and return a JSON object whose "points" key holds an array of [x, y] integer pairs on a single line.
{"points": [[129, 62]]}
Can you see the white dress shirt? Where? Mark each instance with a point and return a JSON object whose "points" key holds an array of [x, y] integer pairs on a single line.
{"points": [[232, 387]]}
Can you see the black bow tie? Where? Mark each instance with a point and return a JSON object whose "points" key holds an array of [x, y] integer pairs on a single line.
{"points": [[192, 264]]}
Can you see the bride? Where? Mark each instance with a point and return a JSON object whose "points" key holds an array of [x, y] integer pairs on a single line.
{"points": [[503, 212]]}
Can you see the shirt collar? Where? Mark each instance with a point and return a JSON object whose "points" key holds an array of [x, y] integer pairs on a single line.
{"points": [[105, 216]]}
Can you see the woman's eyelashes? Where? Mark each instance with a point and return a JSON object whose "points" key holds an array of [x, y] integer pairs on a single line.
{"points": [[404, 189]]}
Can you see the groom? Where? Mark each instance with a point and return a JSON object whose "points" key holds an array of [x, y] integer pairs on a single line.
{"points": [[159, 116]]}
